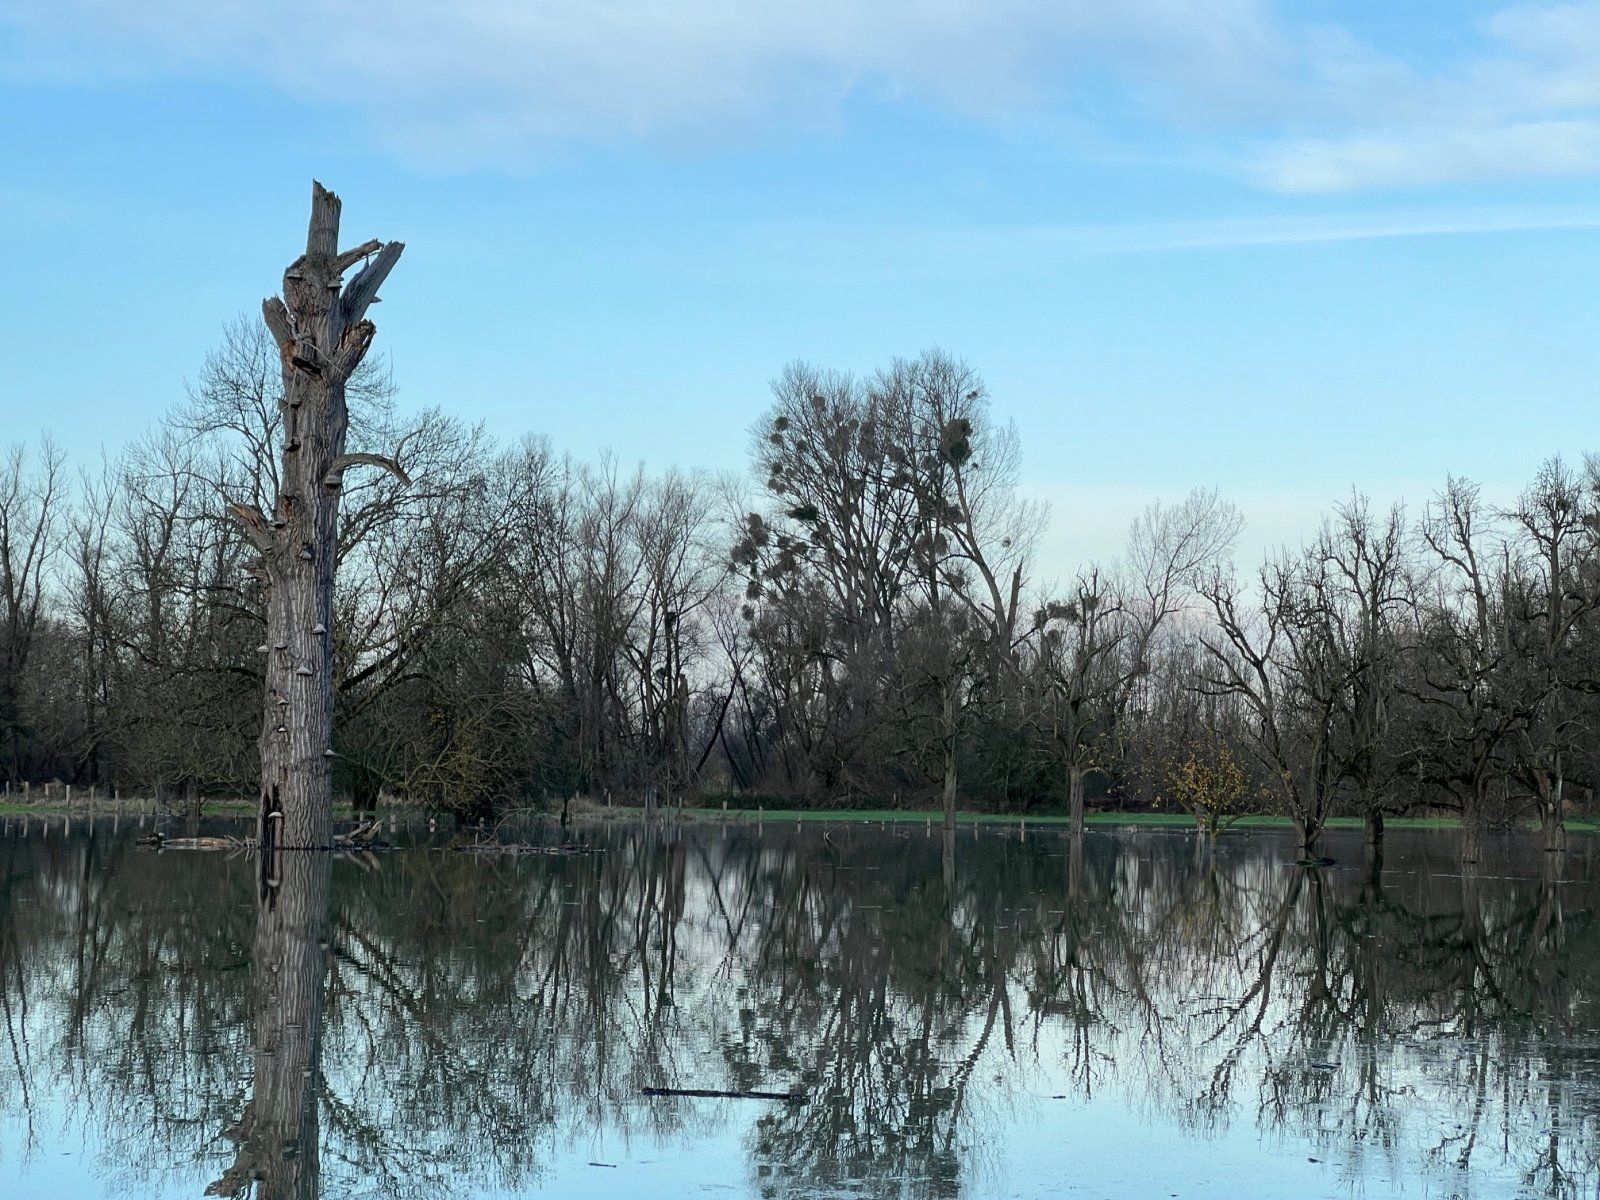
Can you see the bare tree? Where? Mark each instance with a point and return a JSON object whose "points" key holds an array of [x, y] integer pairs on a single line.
{"points": [[92, 607], [1093, 662], [1468, 718], [1081, 667], [1553, 596], [1267, 654], [1361, 596], [29, 528]]}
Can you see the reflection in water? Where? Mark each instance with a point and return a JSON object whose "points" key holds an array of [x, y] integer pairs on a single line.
{"points": [[950, 1006], [277, 1135]]}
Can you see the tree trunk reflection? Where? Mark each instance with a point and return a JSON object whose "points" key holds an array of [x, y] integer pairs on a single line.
{"points": [[277, 1152]]}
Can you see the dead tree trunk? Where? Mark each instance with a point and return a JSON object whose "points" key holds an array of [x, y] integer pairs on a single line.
{"points": [[322, 336]]}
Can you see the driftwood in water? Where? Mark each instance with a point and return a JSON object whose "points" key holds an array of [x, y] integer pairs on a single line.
{"points": [[714, 1094], [519, 848], [203, 843], [361, 837], [354, 844]]}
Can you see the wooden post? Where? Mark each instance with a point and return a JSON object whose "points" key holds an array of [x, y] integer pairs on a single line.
{"points": [[322, 334]]}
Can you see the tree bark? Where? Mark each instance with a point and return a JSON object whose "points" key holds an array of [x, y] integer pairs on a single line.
{"points": [[1374, 827], [1472, 830], [322, 336], [1075, 798], [1555, 829], [947, 866], [950, 765]]}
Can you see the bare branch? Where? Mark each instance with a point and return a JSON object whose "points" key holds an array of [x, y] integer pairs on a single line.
{"points": [[349, 258], [344, 462]]}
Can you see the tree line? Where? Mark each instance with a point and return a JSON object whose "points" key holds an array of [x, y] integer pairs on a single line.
{"points": [[859, 618]]}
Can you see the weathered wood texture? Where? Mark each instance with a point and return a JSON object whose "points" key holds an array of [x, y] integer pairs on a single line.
{"points": [[322, 333]]}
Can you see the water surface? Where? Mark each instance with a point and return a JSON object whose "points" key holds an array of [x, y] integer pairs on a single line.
{"points": [[1004, 1015]]}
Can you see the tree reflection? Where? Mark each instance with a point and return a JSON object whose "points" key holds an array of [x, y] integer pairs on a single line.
{"points": [[437, 1021], [277, 1138]]}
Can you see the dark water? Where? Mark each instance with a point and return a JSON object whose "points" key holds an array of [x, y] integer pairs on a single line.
{"points": [[1004, 1017]]}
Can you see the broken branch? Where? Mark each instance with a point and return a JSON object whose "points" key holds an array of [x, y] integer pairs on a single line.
{"points": [[254, 524], [363, 289], [278, 323], [349, 258]]}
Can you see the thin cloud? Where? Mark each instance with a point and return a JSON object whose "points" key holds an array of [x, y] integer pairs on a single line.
{"points": [[486, 79], [1022, 246], [482, 72], [1297, 106], [1525, 105], [1433, 156]]}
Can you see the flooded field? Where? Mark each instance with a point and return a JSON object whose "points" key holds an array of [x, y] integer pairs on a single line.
{"points": [[998, 1015]]}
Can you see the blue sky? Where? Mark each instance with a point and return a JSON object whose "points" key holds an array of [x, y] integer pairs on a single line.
{"points": [[1283, 247]]}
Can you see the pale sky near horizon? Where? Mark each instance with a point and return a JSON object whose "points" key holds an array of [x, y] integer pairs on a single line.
{"points": [[1287, 247]]}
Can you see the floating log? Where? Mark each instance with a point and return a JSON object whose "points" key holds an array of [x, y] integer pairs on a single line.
{"points": [[204, 843], [516, 848], [360, 835]]}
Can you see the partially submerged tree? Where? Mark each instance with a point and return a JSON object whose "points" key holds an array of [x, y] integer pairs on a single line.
{"points": [[1551, 599], [322, 335], [1080, 668], [1360, 600], [1468, 717]]}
